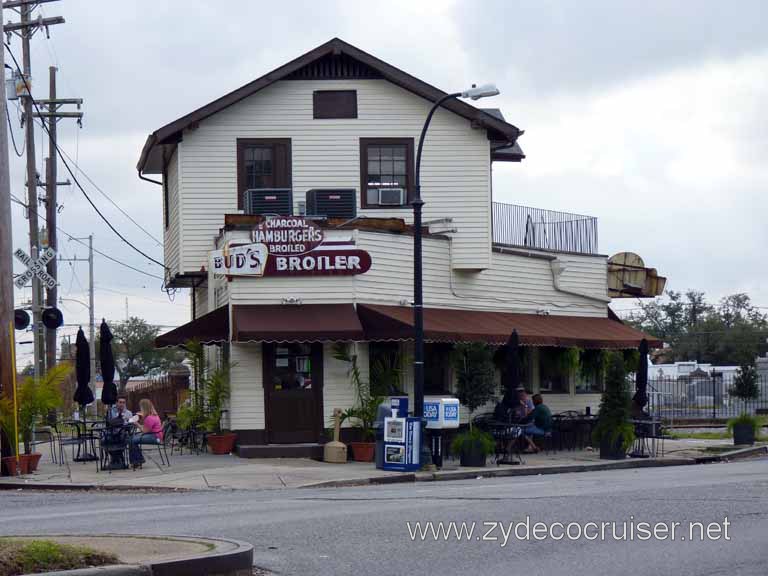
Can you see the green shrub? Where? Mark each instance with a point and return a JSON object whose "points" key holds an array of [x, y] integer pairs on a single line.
{"points": [[615, 406], [471, 437], [747, 419]]}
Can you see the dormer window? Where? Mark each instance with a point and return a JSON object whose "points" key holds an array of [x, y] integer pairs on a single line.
{"points": [[386, 168]]}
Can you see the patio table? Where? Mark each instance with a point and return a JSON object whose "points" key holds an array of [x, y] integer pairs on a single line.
{"points": [[85, 430]]}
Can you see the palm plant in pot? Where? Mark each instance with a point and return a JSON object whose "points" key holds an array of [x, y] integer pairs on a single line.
{"points": [[36, 398], [614, 432], [475, 386], [363, 415], [210, 399], [744, 427]]}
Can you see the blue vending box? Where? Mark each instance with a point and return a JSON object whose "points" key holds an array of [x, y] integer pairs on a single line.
{"points": [[399, 403], [402, 443]]}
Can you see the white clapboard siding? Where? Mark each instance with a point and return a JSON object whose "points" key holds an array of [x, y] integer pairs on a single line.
{"points": [[246, 404], [513, 283], [201, 301], [338, 390], [326, 153], [172, 232]]}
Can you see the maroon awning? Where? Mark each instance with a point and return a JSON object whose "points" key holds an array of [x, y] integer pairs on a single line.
{"points": [[296, 323], [451, 325], [211, 328]]}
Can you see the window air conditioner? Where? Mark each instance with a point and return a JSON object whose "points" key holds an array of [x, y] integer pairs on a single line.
{"points": [[391, 196]]}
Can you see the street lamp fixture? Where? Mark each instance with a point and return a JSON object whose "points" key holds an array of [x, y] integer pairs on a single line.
{"points": [[474, 93]]}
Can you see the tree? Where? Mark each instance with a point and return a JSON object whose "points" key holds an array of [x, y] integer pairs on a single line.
{"points": [[475, 383], [731, 332], [135, 352], [745, 385]]}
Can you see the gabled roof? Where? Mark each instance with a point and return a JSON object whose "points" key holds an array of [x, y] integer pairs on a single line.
{"points": [[151, 159]]}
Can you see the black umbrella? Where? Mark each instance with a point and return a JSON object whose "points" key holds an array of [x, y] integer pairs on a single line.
{"points": [[83, 393], [641, 382], [107, 361], [511, 377]]}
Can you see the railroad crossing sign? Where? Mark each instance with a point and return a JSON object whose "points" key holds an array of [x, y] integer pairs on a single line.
{"points": [[36, 267]]}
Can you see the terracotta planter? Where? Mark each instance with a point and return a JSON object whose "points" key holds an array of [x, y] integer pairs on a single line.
{"points": [[221, 443], [34, 460], [363, 451], [24, 464], [9, 466]]}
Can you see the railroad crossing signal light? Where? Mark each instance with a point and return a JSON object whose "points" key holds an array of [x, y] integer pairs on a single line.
{"points": [[52, 318], [20, 319]]}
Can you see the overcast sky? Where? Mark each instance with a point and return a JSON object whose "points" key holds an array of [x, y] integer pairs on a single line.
{"points": [[650, 116]]}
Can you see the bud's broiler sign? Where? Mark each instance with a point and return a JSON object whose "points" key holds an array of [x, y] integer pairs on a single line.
{"points": [[290, 246]]}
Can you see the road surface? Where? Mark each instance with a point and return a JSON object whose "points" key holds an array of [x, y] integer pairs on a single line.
{"points": [[365, 530]]}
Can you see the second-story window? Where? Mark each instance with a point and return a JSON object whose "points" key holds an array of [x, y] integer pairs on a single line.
{"points": [[386, 167], [262, 163]]}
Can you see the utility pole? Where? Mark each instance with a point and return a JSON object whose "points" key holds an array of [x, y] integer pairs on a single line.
{"points": [[6, 266], [26, 29], [91, 309], [52, 117]]}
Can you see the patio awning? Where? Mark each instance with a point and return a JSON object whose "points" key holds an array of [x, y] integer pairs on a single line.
{"points": [[296, 323], [211, 328], [452, 325]]}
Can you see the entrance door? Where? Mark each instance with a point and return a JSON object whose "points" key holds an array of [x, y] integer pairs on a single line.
{"points": [[293, 388]]}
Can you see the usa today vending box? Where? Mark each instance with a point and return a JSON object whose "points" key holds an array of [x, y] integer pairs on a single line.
{"points": [[441, 413], [402, 442]]}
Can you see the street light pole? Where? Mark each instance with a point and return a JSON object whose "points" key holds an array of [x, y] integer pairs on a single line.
{"points": [[418, 288]]}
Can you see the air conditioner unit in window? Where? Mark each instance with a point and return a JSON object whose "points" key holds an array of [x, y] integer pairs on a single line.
{"points": [[269, 201], [391, 196], [332, 203]]}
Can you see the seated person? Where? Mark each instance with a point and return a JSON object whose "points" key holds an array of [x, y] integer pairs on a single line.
{"points": [[150, 431], [524, 406], [540, 423], [119, 410]]}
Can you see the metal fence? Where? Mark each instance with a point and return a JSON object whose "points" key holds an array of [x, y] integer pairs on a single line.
{"points": [[544, 229], [702, 398]]}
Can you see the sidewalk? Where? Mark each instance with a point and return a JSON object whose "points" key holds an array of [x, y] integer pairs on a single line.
{"points": [[206, 472]]}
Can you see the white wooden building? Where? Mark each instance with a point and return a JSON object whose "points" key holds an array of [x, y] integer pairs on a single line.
{"points": [[342, 122]]}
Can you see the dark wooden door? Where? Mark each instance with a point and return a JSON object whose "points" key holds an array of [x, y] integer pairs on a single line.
{"points": [[293, 389]]}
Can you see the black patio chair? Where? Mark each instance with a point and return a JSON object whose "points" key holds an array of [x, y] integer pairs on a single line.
{"points": [[162, 447], [114, 446]]}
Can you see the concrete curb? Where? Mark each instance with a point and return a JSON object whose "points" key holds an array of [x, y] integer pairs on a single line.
{"points": [[739, 454], [16, 485], [502, 472], [236, 560]]}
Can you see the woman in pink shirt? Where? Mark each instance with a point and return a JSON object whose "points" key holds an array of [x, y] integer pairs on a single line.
{"points": [[150, 431]]}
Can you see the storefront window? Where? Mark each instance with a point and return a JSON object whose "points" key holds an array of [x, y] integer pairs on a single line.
{"points": [[293, 367], [385, 367], [555, 369], [590, 376]]}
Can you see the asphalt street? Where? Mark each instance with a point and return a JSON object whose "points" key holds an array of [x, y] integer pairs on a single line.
{"points": [[365, 530]]}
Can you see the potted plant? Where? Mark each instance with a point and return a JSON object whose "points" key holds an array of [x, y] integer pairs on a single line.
{"points": [[363, 415], [614, 431], [211, 396], [744, 428], [217, 391], [36, 397], [475, 386]]}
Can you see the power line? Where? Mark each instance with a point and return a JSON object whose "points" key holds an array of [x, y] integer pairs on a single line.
{"points": [[13, 138], [111, 201], [72, 174], [107, 256]]}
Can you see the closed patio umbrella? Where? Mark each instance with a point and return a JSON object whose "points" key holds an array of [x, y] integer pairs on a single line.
{"points": [[512, 370], [641, 383], [107, 361], [83, 393]]}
